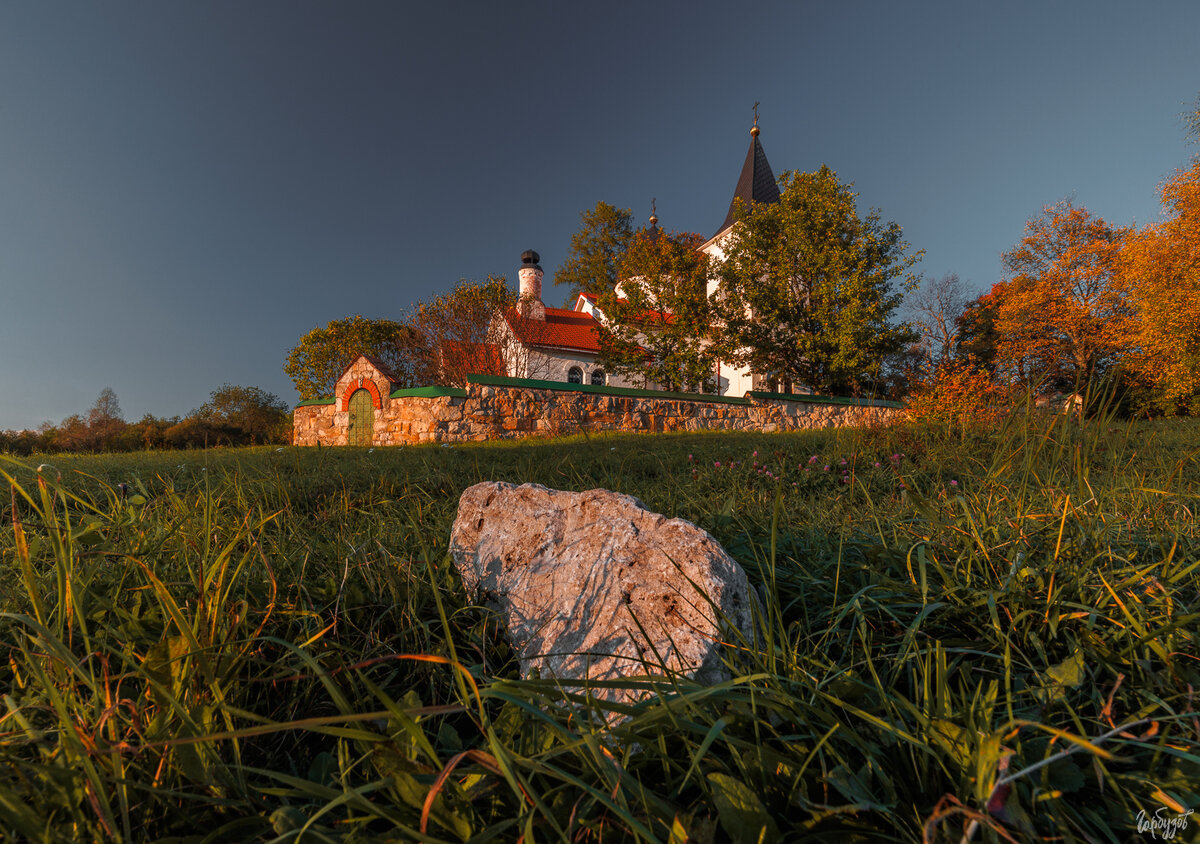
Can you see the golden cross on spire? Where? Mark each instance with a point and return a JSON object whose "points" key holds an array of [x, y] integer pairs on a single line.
{"points": [[756, 112]]}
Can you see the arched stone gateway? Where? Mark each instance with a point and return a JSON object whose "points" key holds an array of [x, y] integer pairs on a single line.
{"points": [[362, 418], [362, 384]]}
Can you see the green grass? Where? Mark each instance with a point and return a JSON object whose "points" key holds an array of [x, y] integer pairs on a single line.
{"points": [[271, 645]]}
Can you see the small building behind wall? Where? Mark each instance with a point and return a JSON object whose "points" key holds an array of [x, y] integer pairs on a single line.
{"points": [[358, 405]]}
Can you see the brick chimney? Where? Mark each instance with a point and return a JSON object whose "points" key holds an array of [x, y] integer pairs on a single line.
{"points": [[530, 304]]}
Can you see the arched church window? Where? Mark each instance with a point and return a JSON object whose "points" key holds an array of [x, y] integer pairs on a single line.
{"points": [[598, 377], [574, 375]]}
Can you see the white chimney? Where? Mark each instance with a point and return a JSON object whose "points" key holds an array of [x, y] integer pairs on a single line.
{"points": [[530, 304]]}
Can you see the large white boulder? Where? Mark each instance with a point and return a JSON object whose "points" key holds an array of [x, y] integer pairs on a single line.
{"points": [[593, 586]]}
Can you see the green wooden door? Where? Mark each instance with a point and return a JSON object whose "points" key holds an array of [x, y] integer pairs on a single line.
{"points": [[362, 418]]}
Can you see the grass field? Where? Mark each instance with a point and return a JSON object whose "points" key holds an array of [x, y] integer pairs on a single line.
{"points": [[980, 636]]}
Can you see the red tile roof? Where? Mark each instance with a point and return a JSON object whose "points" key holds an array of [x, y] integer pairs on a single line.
{"points": [[473, 358], [656, 316], [562, 329], [644, 316]]}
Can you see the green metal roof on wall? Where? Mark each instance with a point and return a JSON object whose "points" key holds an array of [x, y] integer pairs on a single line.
{"points": [[810, 399], [567, 387], [427, 392]]}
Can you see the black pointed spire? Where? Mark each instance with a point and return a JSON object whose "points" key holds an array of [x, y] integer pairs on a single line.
{"points": [[757, 182]]}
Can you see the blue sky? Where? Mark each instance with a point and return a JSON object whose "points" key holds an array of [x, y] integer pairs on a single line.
{"points": [[188, 188]]}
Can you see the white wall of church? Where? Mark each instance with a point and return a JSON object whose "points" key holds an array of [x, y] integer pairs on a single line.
{"points": [[735, 381], [555, 364], [545, 364], [715, 249]]}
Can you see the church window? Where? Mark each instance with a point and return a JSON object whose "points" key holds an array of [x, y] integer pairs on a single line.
{"points": [[598, 377], [575, 375]]}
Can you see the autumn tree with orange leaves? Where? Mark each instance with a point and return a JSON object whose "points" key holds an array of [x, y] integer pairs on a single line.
{"points": [[1083, 297], [1160, 269], [975, 338], [1059, 317]]}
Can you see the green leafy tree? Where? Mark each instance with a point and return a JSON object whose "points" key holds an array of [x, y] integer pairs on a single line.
{"points": [[323, 354], [459, 332], [593, 260], [808, 287], [657, 321], [254, 415]]}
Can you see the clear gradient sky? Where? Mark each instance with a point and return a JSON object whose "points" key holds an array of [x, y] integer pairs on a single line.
{"points": [[187, 188]]}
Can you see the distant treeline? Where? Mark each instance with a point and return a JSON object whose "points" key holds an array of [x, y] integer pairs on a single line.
{"points": [[232, 416]]}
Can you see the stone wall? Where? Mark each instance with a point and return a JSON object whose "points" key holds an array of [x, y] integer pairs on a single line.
{"points": [[316, 424], [488, 412]]}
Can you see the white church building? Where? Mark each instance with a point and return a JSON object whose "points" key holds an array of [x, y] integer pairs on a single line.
{"points": [[557, 344]]}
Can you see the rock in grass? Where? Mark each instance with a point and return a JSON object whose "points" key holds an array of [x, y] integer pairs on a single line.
{"points": [[593, 586]]}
